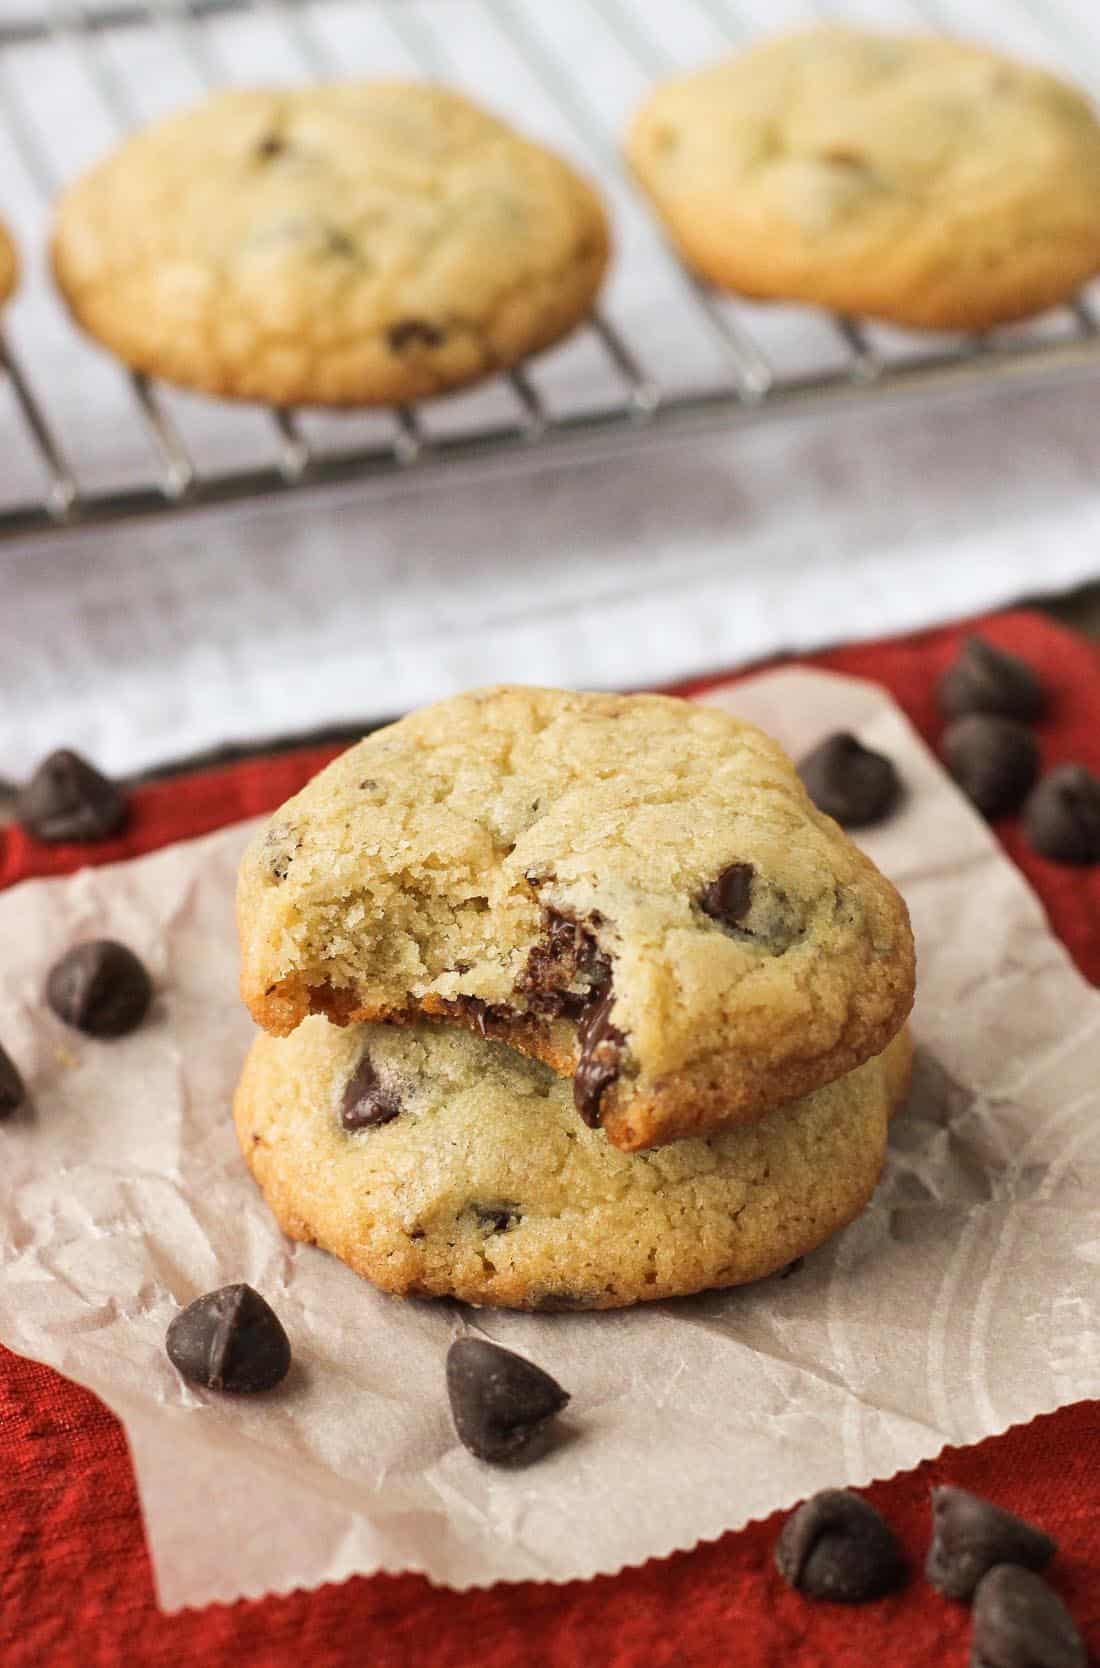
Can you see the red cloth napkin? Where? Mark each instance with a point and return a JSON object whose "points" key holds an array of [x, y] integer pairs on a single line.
{"points": [[75, 1582]]}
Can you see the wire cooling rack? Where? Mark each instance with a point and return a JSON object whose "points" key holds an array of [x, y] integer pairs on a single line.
{"points": [[543, 56]]}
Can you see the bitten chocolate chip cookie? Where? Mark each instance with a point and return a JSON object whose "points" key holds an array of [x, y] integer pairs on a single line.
{"points": [[634, 889], [365, 243], [915, 178], [9, 263], [438, 1164]]}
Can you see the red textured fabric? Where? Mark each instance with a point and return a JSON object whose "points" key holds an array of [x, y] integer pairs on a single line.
{"points": [[75, 1582]]}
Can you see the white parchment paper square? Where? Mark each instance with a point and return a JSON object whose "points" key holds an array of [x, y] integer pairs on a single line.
{"points": [[963, 1301]]}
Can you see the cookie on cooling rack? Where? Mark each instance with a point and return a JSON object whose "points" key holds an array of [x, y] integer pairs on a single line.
{"points": [[357, 244], [438, 1164], [9, 263], [635, 889], [916, 179]]}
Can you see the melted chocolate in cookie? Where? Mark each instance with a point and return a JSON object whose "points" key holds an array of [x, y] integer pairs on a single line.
{"points": [[601, 1059], [567, 957]]}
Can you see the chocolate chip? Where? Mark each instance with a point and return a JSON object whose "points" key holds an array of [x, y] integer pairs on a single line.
{"points": [[986, 679], [1020, 1623], [837, 1547], [850, 782], [1062, 817], [600, 1062], [970, 1535], [99, 987], [414, 333], [12, 1092], [726, 899], [842, 156], [367, 1102], [497, 1219], [501, 1404], [230, 1340], [566, 970], [338, 243], [994, 760], [271, 146], [556, 1300], [68, 799]]}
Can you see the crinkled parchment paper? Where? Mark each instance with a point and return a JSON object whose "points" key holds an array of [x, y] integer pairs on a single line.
{"points": [[963, 1301]]}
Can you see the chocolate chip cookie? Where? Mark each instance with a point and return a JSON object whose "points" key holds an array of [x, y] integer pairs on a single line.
{"points": [[634, 889], [350, 244], [9, 263], [440, 1164], [918, 179]]}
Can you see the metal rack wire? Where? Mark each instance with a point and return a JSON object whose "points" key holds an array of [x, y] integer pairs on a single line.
{"points": [[749, 388]]}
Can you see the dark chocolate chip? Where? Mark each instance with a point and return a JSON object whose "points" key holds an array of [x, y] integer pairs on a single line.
{"points": [[497, 1218], [1062, 816], [970, 1535], [501, 1404], [99, 987], [566, 970], [556, 1300], [338, 243], [1020, 1623], [727, 898], [230, 1340], [68, 799], [600, 1062], [986, 679], [994, 760], [12, 1092], [367, 1101], [849, 781], [837, 1547], [414, 333], [271, 146]]}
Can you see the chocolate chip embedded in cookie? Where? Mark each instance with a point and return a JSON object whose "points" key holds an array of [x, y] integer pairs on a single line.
{"points": [[487, 1187], [634, 889], [915, 178], [362, 243], [366, 1101]]}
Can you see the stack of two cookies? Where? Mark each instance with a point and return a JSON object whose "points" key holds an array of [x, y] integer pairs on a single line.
{"points": [[568, 1001]]}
